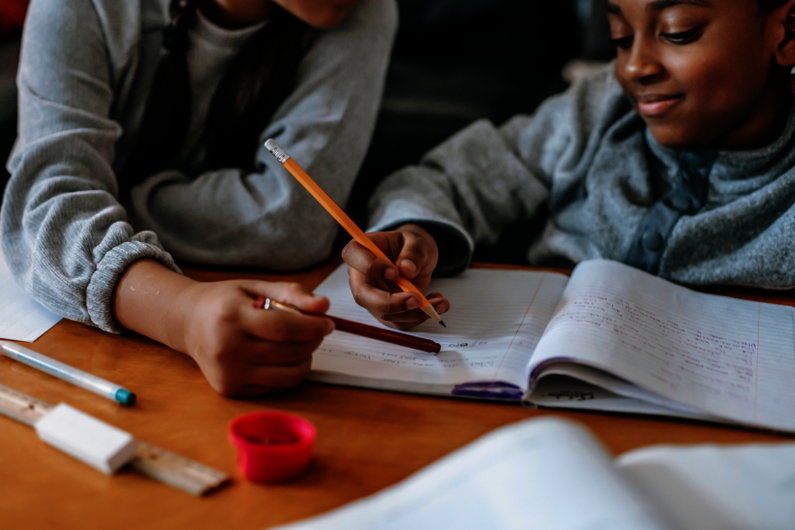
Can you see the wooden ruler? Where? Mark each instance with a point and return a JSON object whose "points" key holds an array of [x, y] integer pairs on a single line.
{"points": [[152, 461]]}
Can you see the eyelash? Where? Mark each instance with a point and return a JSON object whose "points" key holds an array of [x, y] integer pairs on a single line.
{"points": [[624, 43], [679, 39], [684, 37]]}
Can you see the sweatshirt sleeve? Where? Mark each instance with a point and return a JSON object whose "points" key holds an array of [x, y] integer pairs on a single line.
{"points": [[65, 236], [470, 188], [266, 218]]}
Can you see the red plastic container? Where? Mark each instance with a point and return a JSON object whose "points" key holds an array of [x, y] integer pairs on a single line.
{"points": [[271, 446]]}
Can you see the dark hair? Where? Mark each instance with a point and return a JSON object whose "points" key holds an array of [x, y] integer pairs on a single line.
{"points": [[257, 81], [770, 5]]}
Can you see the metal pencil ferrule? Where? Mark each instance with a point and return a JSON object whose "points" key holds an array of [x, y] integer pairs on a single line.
{"points": [[273, 304], [280, 154]]}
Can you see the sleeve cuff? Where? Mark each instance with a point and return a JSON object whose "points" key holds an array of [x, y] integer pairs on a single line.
{"points": [[103, 281], [455, 245]]}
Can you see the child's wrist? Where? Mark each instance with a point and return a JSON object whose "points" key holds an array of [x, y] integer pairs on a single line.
{"points": [[179, 316], [146, 299]]}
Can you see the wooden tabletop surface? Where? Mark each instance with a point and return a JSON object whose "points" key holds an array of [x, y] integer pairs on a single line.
{"points": [[367, 440]]}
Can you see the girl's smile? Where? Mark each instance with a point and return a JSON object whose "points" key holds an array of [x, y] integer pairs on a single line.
{"points": [[652, 105]]}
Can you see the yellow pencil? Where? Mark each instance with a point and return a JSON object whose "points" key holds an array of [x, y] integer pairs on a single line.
{"points": [[343, 219]]}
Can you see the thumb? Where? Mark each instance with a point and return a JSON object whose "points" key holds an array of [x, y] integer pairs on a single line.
{"points": [[291, 293]]}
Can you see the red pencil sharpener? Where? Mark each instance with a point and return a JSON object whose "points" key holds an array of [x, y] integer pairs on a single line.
{"points": [[271, 446]]}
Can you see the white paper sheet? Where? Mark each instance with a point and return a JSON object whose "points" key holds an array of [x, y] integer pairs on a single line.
{"points": [[535, 474], [21, 317], [551, 473], [717, 488]]}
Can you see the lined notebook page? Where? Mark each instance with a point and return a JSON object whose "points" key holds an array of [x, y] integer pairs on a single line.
{"points": [[731, 358], [493, 326]]}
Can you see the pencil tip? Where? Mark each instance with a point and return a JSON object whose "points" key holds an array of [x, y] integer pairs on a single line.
{"points": [[442, 323]]}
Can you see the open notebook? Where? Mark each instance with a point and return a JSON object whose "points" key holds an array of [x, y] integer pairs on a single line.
{"points": [[609, 338], [550, 473]]}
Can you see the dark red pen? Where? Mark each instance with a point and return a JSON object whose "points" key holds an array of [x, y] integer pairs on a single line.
{"points": [[363, 330]]}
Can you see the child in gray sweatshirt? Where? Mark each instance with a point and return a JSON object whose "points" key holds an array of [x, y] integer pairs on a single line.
{"points": [[141, 125], [678, 159]]}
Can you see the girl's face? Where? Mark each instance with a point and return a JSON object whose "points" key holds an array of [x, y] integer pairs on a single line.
{"points": [[703, 73]]}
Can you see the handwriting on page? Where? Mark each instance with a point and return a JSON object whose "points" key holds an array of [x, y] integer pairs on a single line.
{"points": [[729, 358], [572, 395], [443, 360], [682, 356], [492, 330]]}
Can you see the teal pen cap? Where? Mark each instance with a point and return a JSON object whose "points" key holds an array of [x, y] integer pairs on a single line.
{"points": [[125, 397]]}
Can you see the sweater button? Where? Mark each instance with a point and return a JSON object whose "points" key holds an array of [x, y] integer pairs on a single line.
{"points": [[681, 203], [652, 240]]}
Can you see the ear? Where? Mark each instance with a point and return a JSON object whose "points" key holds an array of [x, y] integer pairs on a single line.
{"points": [[784, 18]]}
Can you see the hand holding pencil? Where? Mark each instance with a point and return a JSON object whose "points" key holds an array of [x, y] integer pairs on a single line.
{"points": [[381, 294], [356, 328], [414, 254]]}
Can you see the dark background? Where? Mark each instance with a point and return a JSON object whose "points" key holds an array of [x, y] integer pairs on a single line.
{"points": [[454, 61]]}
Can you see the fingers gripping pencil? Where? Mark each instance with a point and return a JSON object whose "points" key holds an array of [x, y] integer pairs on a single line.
{"points": [[343, 219]]}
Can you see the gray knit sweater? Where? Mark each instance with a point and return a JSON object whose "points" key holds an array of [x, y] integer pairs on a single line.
{"points": [[610, 190], [84, 76]]}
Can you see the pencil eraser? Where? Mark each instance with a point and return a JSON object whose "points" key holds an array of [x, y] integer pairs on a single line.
{"points": [[86, 438], [280, 154]]}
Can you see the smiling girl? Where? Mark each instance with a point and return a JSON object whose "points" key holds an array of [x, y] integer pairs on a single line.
{"points": [[141, 125], [679, 160]]}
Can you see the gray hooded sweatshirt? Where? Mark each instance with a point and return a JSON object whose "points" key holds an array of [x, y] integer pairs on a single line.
{"points": [[84, 77], [608, 190]]}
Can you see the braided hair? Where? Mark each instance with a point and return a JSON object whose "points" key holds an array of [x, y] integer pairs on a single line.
{"points": [[256, 83]]}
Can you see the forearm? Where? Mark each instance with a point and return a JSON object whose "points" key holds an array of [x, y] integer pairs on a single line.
{"points": [[241, 349], [227, 217], [150, 299], [468, 190], [265, 218]]}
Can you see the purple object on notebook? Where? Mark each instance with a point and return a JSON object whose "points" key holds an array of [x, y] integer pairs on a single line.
{"points": [[489, 390]]}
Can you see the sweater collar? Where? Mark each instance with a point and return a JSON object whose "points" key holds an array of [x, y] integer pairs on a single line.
{"points": [[233, 39], [754, 168]]}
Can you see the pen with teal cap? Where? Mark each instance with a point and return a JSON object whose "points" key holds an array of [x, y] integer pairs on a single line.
{"points": [[68, 373]]}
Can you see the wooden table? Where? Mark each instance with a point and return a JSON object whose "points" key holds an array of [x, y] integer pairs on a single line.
{"points": [[367, 440]]}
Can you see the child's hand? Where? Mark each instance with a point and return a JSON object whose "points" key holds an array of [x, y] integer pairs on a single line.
{"points": [[245, 350], [415, 253]]}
